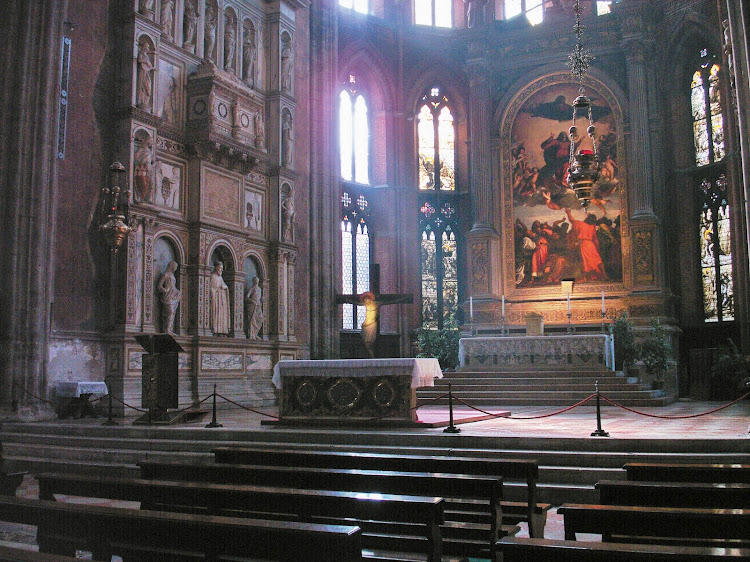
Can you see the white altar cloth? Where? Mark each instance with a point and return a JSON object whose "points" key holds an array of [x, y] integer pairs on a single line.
{"points": [[76, 389], [424, 371], [520, 353]]}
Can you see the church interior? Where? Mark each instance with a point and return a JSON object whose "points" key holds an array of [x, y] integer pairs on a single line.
{"points": [[516, 206]]}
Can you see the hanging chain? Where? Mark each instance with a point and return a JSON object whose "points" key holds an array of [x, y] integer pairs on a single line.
{"points": [[580, 59]]}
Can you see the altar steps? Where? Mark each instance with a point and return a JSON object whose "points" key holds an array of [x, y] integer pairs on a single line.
{"points": [[569, 467], [541, 388]]}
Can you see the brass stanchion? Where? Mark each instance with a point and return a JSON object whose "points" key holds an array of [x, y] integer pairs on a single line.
{"points": [[599, 431], [213, 415], [451, 428], [110, 414]]}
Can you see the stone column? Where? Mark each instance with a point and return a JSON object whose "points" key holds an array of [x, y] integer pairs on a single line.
{"points": [[323, 178], [30, 70], [480, 121]]}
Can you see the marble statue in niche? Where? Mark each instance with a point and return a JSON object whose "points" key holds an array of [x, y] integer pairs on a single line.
{"points": [[249, 55], [260, 131], [220, 315], [287, 217], [209, 42], [191, 25], [230, 42], [145, 76], [287, 140], [167, 18], [143, 167], [287, 64], [254, 309], [169, 296], [146, 7]]}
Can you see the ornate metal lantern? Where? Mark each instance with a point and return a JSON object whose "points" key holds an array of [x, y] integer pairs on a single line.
{"points": [[584, 158], [115, 211]]}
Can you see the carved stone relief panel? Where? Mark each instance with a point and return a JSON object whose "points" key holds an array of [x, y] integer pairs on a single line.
{"points": [[643, 257], [169, 184], [221, 193], [170, 94], [480, 267]]}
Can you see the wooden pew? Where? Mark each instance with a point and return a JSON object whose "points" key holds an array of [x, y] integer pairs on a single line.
{"points": [[672, 472], [8, 554], [526, 470], [658, 525], [457, 539], [425, 514], [516, 549], [674, 494], [145, 536]]}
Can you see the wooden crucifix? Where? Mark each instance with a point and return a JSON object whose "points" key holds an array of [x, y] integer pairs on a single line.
{"points": [[372, 300]]}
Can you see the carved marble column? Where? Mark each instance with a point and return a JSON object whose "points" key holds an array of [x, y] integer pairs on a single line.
{"points": [[30, 67], [323, 178]]}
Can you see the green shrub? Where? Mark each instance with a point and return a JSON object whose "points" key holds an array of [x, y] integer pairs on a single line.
{"points": [[625, 348], [440, 344], [654, 350]]}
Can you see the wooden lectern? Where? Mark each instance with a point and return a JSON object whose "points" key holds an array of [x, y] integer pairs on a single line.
{"points": [[159, 378]]}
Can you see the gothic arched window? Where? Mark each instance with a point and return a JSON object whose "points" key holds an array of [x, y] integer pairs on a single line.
{"points": [[355, 254], [354, 134], [438, 262], [437, 13], [360, 6], [436, 142], [714, 225]]}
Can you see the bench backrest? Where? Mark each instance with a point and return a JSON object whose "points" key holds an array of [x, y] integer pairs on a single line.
{"points": [[105, 531], [516, 549], [218, 497], [674, 494], [667, 472], [518, 469], [302, 477]]}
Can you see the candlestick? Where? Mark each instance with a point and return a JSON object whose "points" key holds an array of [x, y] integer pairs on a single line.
{"points": [[568, 303], [503, 309], [604, 310], [471, 309]]}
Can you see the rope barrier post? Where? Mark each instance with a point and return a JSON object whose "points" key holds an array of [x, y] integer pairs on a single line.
{"points": [[599, 431], [213, 415], [110, 414], [451, 428]]}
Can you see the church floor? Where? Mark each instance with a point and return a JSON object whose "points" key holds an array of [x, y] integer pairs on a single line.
{"points": [[730, 423]]}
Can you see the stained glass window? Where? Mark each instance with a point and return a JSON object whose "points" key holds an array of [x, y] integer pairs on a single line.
{"points": [[436, 142], [355, 254], [437, 13], [716, 251], [354, 133], [706, 106], [437, 218]]}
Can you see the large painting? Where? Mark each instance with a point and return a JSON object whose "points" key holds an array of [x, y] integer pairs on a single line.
{"points": [[555, 237]]}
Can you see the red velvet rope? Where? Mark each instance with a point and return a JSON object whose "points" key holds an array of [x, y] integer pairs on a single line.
{"points": [[676, 417]]}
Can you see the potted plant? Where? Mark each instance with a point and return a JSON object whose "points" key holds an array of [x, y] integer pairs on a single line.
{"points": [[730, 373], [625, 348], [654, 352], [441, 344]]}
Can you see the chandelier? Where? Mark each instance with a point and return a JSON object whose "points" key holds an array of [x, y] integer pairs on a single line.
{"points": [[114, 227], [584, 158]]}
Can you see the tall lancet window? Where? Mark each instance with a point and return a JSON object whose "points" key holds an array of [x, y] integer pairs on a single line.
{"points": [[437, 13], [436, 134], [355, 254], [354, 133], [714, 225], [438, 263]]}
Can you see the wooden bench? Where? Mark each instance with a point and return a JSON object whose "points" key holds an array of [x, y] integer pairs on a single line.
{"points": [[671, 472], [144, 536], [516, 549], [425, 514], [8, 554], [674, 494], [463, 539], [516, 469], [658, 525]]}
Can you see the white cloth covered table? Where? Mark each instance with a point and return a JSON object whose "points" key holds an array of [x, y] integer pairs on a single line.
{"points": [[424, 371], [76, 389]]}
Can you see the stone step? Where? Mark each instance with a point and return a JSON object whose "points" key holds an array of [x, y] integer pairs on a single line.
{"points": [[512, 386], [537, 374]]}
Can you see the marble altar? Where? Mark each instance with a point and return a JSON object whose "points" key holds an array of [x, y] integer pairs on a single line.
{"points": [[570, 352], [352, 389]]}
